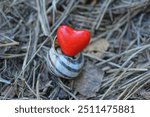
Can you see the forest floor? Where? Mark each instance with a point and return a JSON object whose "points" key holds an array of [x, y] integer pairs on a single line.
{"points": [[117, 60]]}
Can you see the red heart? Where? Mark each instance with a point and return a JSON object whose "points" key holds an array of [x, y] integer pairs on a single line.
{"points": [[72, 41]]}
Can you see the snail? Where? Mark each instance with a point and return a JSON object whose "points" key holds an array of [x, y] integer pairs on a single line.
{"points": [[63, 66], [65, 59]]}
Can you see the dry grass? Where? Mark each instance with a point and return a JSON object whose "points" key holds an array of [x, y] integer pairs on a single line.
{"points": [[27, 28]]}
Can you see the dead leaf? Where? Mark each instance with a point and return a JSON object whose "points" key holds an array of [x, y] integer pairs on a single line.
{"points": [[145, 94], [98, 48], [89, 82]]}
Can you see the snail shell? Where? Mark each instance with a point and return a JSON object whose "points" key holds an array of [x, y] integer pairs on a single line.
{"points": [[64, 66]]}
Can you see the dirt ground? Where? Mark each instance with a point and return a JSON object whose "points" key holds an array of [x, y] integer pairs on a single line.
{"points": [[117, 60]]}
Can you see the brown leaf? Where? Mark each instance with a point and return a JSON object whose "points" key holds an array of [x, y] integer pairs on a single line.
{"points": [[98, 48], [89, 82]]}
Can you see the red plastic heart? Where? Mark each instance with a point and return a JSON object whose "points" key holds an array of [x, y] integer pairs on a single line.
{"points": [[72, 41]]}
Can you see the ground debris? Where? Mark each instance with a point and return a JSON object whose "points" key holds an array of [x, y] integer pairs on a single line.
{"points": [[89, 82], [120, 47], [97, 48]]}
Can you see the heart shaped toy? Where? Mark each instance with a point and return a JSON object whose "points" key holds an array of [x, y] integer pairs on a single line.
{"points": [[72, 41]]}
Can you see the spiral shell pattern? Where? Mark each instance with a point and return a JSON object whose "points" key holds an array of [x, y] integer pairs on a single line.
{"points": [[64, 66]]}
